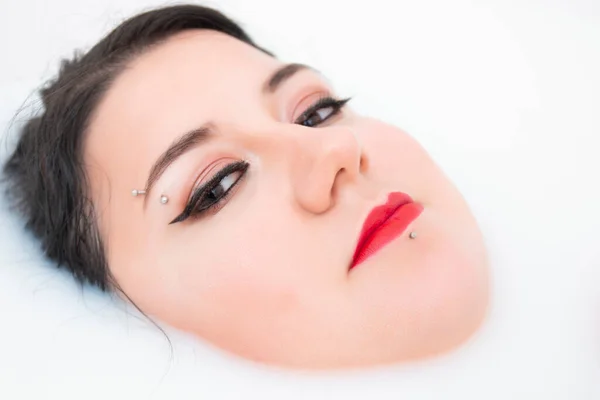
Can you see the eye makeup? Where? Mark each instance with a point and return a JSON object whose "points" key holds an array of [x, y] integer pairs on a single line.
{"points": [[314, 116], [215, 192]]}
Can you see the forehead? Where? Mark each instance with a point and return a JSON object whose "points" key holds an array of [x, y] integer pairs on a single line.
{"points": [[190, 65]]}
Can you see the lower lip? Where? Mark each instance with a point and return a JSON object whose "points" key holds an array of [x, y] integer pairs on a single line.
{"points": [[393, 227]]}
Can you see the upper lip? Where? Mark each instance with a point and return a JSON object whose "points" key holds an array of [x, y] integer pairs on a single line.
{"points": [[378, 216]]}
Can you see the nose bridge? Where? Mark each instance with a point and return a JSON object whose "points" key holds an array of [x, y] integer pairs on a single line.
{"points": [[323, 159]]}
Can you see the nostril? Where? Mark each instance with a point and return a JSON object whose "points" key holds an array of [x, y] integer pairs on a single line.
{"points": [[363, 163]]}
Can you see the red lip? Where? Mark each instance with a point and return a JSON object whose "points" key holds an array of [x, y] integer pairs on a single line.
{"points": [[385, 223]]}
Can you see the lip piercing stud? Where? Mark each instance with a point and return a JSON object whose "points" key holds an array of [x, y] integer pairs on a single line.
{"points": [[412, 235], [164, 199]]}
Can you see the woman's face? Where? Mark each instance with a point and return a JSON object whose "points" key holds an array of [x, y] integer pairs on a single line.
{"points": [[265, 272]]}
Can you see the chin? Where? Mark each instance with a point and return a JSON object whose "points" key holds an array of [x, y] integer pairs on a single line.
{"points": [[427, 301]]}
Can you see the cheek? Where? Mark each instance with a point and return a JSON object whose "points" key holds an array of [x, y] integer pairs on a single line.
{"points": [[435, 286], [242, 273], [239, 300], [396, 156], [229, 297]]}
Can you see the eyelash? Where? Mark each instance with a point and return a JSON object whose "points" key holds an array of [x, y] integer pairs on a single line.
{"points": [[324, 102], [194, 208]]}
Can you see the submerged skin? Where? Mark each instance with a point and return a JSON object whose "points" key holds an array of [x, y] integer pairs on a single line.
{"points": [[266, 275]]}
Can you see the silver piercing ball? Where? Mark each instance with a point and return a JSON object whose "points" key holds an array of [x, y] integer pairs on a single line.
{"points": [[164, 199], [135, 193], [412, 235]]}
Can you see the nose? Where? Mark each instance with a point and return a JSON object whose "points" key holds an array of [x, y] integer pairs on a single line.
{"points": [[323, 162]]}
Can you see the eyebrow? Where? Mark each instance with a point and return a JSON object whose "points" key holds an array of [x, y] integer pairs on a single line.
{"points": [[179, 147], [194, 138], [282, 75]]}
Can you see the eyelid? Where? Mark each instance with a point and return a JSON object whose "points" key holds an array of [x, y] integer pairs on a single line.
{"points": [[199, 192], [206, 174], [306, 101]]}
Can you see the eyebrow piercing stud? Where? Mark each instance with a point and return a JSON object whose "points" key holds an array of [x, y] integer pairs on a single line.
{"points": [[135, 193], [412, 235]]}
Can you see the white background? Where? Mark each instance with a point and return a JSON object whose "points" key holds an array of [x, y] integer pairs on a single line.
{"points": [[506, 97]]}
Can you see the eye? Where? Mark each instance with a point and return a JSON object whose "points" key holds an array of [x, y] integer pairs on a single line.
{"points": [[223, 186], [214, 194], [321, 111]]}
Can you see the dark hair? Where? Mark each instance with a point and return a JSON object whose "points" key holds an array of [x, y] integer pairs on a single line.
{"points": [[46, 177]]}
